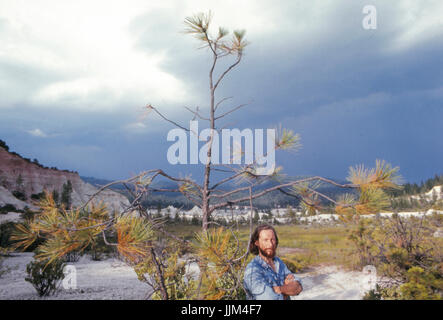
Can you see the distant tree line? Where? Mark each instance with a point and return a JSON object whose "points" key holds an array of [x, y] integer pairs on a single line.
{"points": [[4, 145], [271, 200], [268, 201], [414, 188]]}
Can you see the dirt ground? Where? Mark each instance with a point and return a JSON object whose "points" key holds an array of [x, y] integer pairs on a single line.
{"points": [[111, 279]]}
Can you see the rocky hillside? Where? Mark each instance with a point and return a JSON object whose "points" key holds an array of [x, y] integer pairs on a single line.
{"points": [[23, 179], [436, 193]]}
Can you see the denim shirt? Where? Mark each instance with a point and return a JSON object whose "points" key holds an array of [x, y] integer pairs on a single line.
{"points": [[259, 279]]}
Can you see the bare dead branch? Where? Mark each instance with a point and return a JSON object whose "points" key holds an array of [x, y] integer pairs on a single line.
{"points": [[226, 180], [230, 111], [323, 196], [259, 194], [197, 114], [166, 119], [89, 227], [165, 190], [106, 241], [162, 173], [227, 70], [163, 290], [113, 183], [221, 101]]}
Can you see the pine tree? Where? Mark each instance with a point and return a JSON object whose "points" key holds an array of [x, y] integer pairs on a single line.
{"points": [[66, 194], [138, 238], [4, 145]]}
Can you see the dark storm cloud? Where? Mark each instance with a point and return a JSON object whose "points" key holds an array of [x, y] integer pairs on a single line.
{"points": [[354, 94], [380, 97]]}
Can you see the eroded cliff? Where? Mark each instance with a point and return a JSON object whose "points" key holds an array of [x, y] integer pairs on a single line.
{"points": [[25, 179]]}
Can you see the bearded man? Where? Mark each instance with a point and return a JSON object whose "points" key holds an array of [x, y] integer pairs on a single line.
{"points": [[266, 276]]}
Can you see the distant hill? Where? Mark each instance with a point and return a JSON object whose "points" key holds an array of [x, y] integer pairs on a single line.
{"points": [[25, 180], [421, 201], [96, 182], [271, 200], [161, 183], [410, 189]]}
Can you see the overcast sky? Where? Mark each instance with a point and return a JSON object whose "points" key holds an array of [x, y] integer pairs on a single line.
{"points": [[75, 77]]}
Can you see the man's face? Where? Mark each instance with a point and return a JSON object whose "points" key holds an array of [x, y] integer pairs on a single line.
{"points": [[267, 243]]}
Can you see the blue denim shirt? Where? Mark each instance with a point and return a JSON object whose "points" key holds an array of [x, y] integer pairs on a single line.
{"points": [[259, 279]]}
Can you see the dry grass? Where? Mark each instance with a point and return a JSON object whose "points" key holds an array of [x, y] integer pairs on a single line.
{"points": [[305, 246], [316, 245]]}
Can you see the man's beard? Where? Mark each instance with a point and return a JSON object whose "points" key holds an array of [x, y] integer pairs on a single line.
{"points": [[268, 254]]}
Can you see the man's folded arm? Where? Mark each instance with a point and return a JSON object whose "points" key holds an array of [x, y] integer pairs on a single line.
{"points": [[258, 287], [289, 273], [291, 288]]}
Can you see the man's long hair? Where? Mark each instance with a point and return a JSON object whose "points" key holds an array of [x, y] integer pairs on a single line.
{"points": [[252, 247]]}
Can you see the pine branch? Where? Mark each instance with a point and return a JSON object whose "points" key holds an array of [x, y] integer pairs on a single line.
{"points": [[259, 194]]}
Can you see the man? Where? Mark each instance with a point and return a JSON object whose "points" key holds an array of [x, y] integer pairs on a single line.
{"points": [[266, 276]]}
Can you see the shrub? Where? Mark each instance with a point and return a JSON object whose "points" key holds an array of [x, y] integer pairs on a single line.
{"points": [[422, 285], [97, 253], [373, 294], [6, 230], [27, 214], [221, 267], [3, 269], [72, 256], [297, 264], [66, 194], [405, 254], [45, 278], [19, 195], [38, 196], [4, 145], [222, 264], [7, 208], [99, 250], [179, 285], [195, 220]]}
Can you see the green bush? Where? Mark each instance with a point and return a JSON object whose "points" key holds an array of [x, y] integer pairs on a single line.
{"points": [[27, 214], [66, 196], [4, 145], [72, 256], [19, 195], [374, 294], [405, 253], [99, 250], [7, 208], [45, 278], [6, 230], [421, 285], [38, 196], [178, 284], [296, 264], [3, 269]]}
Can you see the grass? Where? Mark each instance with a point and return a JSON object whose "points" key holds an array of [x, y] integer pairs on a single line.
{"points": [[306, 246], [318, 245], [184, 231]]}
